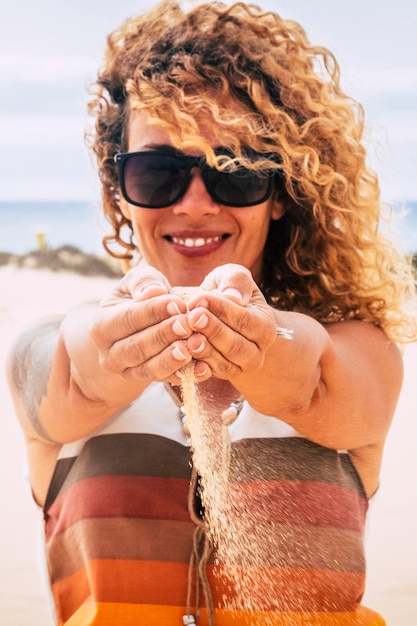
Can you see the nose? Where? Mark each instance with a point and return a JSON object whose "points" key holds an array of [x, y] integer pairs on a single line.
{"points": [[196, 201]]}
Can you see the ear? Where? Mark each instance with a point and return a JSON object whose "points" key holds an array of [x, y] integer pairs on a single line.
{"points": [[277, 210], [125, 208]]}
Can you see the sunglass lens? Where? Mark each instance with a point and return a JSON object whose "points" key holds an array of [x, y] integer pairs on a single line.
{"points": [[240, 188], [154, 181]]}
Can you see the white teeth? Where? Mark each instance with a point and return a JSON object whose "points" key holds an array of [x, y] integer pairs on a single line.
{"points": [[195, 243]]}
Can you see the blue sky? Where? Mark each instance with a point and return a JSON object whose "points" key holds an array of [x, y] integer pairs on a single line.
{"points": [[50, 51]]}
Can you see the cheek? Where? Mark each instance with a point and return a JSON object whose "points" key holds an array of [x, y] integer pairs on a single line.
{"points": [[257, 224], [253, 236], [144, 223]]}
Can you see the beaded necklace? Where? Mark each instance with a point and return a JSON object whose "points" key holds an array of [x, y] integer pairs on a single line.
{"points": [[228, 416]]}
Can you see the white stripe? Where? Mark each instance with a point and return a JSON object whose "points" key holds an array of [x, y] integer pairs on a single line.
{"points": [[155, 413]]}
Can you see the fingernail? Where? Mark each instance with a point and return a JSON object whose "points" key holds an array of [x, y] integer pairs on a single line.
{"points": [[200, 348], [203, 372], [201, 322], [178, 354], [173, 308], [152, 288], [179, 329], [232, 293], [202, 302]]}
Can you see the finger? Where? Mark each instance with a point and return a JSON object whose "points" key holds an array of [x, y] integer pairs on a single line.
{"points": [[226, 351], [228, 363], [162, 366], [135, 348], [232, 281], [139, 283], [240, 343], [217, 312], [202, 372], [112, 324]]}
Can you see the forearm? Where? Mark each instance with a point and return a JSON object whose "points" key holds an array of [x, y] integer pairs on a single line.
{"points": [[336, 385]]}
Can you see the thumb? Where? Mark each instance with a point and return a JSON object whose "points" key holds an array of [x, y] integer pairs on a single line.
{"points": [[139, 283], [231, 281]]}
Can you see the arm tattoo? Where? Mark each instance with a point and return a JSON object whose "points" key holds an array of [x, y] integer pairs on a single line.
{"points": [[31, 368]]}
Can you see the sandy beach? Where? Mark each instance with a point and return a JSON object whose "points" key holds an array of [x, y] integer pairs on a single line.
{"points": [[27, 295]]}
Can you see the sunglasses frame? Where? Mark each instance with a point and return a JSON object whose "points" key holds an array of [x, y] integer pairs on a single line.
{"points": [[189, 162]]}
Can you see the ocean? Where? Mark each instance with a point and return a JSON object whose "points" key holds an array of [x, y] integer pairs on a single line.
{"points": [[407, 227], [82, 225], [74, 223]]}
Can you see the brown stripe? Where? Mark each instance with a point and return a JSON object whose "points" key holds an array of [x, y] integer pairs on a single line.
{"points": [[152, 455], [292, 458], [282, 546], [114, 538], [62, 469], [302, 547], [303, 503], [148, 497], [119, 496], [126, 453]]}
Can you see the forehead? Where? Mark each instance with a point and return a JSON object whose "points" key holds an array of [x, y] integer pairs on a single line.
{"points": [[143, 133], [146, 131]]}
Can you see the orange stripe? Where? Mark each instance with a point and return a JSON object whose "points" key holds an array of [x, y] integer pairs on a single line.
{"points": [[164, 583], [109, 614], [294, 589]]}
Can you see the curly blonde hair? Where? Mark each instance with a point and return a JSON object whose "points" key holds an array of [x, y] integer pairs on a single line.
{"points": [[326, 256]]}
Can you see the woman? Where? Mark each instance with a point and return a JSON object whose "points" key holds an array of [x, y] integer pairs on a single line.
{"points": [[230, 161]]}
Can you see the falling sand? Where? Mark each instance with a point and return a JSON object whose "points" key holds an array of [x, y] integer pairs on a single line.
{"points": [[237, 531]]}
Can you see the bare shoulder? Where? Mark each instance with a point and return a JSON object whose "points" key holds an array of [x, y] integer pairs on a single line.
{"points": [[369, 347], [372, 370]]}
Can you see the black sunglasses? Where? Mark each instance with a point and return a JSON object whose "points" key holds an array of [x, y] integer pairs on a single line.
{"points": [[155, 180]]}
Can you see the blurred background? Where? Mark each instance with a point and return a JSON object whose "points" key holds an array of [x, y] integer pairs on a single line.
{"points": [[50, 51], [49, 55]]}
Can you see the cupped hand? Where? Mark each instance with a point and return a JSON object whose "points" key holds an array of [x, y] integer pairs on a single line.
{"points": [[141, 329], [145, 333], [233, 324]]}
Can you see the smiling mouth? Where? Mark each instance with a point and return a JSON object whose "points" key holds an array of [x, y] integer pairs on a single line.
{"points": [[196, 242]]}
